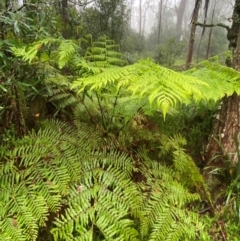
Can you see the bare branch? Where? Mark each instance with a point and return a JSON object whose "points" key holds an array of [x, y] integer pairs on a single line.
{"points": [[213, 25]]}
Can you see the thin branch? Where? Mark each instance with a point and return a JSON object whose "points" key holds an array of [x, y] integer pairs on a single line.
{"points": [[213, 25], [101, 110], [114, 107]]}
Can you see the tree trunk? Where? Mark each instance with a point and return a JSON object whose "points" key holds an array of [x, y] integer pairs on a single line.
{"points": [[226, 127], [192, 34], [180, 14], [160, 20], [210, 31], [140, 17], [65, 18], [147, 5]]}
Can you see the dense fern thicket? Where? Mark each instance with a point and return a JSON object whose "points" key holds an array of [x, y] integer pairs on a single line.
{"points": [[94, 162], [68, 181]]}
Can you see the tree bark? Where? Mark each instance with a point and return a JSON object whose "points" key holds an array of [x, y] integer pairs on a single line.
{"points": [[226, 127]]}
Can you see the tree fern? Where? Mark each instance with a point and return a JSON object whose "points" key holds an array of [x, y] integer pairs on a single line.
{"points": [[160, 85], [163, 87], [105, 50]]}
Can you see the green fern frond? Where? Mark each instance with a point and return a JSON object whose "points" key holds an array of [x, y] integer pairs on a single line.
{"points": [[116, 61], [163, 86], [66, 51], [28, 53], [95, 50], [185, 165], [221, 80], [105, 198], [37, 175], [166, 216]]}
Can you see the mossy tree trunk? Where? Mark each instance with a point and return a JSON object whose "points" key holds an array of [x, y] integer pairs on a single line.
{"points": [[225, 137]]}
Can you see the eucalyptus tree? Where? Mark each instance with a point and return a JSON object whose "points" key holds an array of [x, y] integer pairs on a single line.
{"points": [[180, 10], [226, 126], [225, 137]]}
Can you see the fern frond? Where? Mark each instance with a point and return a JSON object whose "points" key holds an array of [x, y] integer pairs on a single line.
{"points": [[37, 175], [185, 165], [221, 80], [163, 86], [105, 197], [66, 51], [166, 216], [28, 53]]}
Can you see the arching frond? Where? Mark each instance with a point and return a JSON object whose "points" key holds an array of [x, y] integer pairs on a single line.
{"points": [[66, 51], [161, 85], [221, 80]]}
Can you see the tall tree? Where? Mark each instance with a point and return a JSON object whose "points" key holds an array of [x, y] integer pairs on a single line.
{"points": [[159, 20], [225, 136], [180, 13], [144, 18], [140, 17], [192, 33], [210, 32]]}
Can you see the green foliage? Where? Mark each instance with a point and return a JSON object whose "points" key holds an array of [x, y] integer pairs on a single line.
{"points": [[164, 206], [66, 179], [164, 88], [35, 176], [187, 168], [166, 54], [230, 173], [64, 53], [104, 52], [104, 200], [194, 123], [222, 80], [109, 17]]}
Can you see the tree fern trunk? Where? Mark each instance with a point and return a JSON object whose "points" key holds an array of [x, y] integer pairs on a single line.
{"points": [[226, 127]]}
